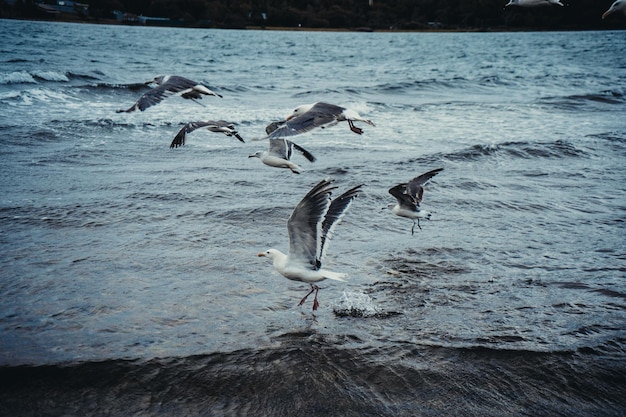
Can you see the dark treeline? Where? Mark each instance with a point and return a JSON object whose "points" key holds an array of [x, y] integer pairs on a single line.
{"points": [[348, 14]]}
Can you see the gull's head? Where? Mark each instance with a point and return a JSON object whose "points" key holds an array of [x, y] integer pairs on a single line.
{"points": [[156, 80], [270, 253], [299, 110]]}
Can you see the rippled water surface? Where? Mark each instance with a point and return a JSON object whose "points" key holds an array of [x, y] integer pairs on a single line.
{"points": [[129, 277]]}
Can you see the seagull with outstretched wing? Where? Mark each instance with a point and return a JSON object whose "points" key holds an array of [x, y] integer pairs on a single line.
{"points": [[310, 116], [409, 196], [279, 154], [169, 85], [219, 126], [310, 227]]}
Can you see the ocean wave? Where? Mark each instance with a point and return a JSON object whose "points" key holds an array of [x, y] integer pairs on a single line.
{"points": [[42, 75], [56, 217], [518, 150], [17, 77], [308, 375], [578, 101], [33, 77], [479, 84], [50, 76]]}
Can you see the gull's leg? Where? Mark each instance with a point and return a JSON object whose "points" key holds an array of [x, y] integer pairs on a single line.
{"points": [[355, 129], [413, 228], [307, 295], [418, 223], [195, 100], [315, 303]]}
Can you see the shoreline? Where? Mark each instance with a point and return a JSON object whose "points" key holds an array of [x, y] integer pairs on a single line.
{"points": [[113, 22]]}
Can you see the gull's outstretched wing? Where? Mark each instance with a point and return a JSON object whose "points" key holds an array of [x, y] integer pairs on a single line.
{"points": [[308, 155], [415, 187], [280, 148], [404, 199], [304, 225], [179, 139], [333, 217]]}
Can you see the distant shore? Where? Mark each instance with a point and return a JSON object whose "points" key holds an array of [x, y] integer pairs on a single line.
{"points": [[66, 18]]}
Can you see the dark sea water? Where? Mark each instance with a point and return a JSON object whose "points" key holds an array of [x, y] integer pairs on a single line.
{"points": [[129, 278]]}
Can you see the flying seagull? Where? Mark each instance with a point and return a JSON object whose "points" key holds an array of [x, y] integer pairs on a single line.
{"points": [[310, 116], [168, 85], [310, 227], [409, 196], [279, 154], [214, 126], [617, 6], [533, 3]]}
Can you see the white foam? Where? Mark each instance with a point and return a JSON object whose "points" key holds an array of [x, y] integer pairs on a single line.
{"points": [[357, 304], [17, 77], [51, 76]]}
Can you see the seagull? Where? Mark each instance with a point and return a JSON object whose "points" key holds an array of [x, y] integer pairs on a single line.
{"points": [[409, 197], [214, 126], [168, 85], [533, 3], [310, 227], [617, 6], [279, 154], [309, 116]]}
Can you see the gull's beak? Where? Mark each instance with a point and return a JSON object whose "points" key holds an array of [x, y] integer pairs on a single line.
{"points": [[261, 254], [605, 14]]}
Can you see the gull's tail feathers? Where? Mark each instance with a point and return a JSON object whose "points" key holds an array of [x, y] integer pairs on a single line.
{"points": [[335, 276]]}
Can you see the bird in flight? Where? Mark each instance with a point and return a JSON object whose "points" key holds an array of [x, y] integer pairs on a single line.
{"points": [[409, 196], [169, 85], [310, 116], [310, 227], [219, 126], [279, 154]]}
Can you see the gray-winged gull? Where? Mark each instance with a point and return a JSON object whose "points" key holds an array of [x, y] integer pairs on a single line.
{"points": [[279, 154], [219, 126], [533, 3], [169, 85], [310, 116], [310, 227], [617, 6], [409, 196]]}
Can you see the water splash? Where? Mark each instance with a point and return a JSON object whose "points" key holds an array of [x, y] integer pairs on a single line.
{"points": [[355, 304]]}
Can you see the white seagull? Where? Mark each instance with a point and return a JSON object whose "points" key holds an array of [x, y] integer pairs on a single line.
{"points": [[533, 3], [218, 126], [409, 196], [617, 6], [310, 227], [279, 154], [169, 85], [310, 116]]}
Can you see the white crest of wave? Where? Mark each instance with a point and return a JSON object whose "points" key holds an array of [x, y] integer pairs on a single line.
{"points": [[50, 75], [17, 77]]}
